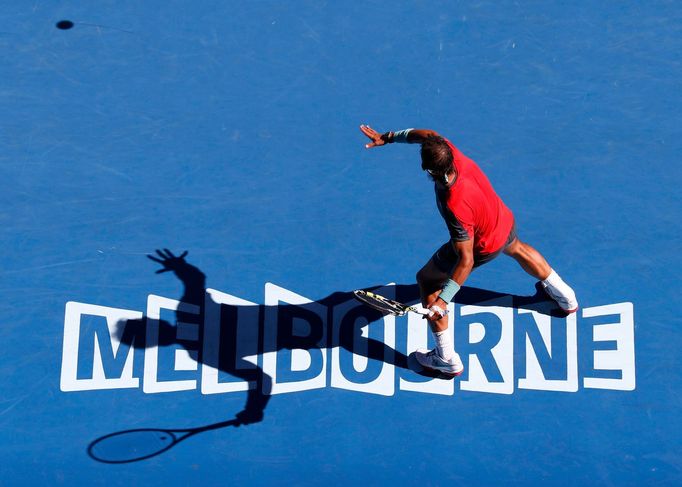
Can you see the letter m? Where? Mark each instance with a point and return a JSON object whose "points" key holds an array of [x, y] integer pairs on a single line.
{"points": [[97, 351]]}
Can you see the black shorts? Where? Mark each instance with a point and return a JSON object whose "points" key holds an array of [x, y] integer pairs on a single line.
{"points": [[446, 258]]}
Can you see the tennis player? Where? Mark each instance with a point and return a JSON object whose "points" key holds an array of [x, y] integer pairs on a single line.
{"points": [[481, 228]]}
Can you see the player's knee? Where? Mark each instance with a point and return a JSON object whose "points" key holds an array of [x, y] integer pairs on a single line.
{"points": [[421, 276], [429, 282], [427, 274], [424, 281]]}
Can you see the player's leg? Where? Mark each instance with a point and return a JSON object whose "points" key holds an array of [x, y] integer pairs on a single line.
{"points": [[529, 259], [535, 264], [430, 279]]}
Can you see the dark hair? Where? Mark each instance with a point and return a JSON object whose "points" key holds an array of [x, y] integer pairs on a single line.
{"points": [[436, 155]]}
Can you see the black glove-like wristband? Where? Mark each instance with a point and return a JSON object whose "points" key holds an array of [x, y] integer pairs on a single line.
{"points": [[387, 137]]}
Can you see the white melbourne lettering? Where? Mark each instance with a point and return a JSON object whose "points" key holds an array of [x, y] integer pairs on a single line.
{"points": [[293, 341]]}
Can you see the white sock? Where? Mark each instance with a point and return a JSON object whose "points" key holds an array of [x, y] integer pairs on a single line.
{"points": [[446, 350], [558, 283]]}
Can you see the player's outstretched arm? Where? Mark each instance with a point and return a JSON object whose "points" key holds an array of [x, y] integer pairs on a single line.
{"points": [[410, 136], [417, 136]]}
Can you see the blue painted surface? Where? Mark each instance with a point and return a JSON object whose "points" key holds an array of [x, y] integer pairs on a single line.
{"points": [[230, 131]]}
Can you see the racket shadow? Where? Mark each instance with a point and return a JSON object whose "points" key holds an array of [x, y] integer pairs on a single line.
{"points": [[139, 444]]}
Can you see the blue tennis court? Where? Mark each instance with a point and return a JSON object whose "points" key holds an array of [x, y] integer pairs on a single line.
{"points": [[230, 131]]}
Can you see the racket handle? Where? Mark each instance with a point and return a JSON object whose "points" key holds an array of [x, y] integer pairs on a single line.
{"points": [[420, 310], [433, 309]]}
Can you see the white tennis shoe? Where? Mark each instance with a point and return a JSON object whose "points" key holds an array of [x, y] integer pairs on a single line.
{"points": [[566, 299], [430, 359]]}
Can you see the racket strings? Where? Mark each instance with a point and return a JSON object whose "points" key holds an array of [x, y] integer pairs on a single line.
{"points": [[380, 303]]}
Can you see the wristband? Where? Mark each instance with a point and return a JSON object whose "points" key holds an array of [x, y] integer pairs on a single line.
{"points": [[401, 136], [387, 137], [449, 290]]}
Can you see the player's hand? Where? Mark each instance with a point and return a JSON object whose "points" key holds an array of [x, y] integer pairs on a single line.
{"points": [[169, 261], [373, 135], [437, 310], [249, 417]]}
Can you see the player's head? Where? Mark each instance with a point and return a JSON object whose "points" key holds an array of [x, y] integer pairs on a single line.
{"points": [[436, 157]]}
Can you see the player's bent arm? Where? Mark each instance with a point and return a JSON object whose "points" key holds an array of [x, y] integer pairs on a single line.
{"points": [[460, 273], [465, 250], [409, 136]]}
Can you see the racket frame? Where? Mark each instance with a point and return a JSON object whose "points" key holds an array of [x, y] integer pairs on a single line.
{"points": [[369, 298]]}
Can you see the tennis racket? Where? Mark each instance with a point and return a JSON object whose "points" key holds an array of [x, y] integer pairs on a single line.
{"points": [[141, 444], [386, 305]]}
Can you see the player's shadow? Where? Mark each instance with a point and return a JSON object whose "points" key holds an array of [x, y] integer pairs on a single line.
{"points": [[238, 337]]}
